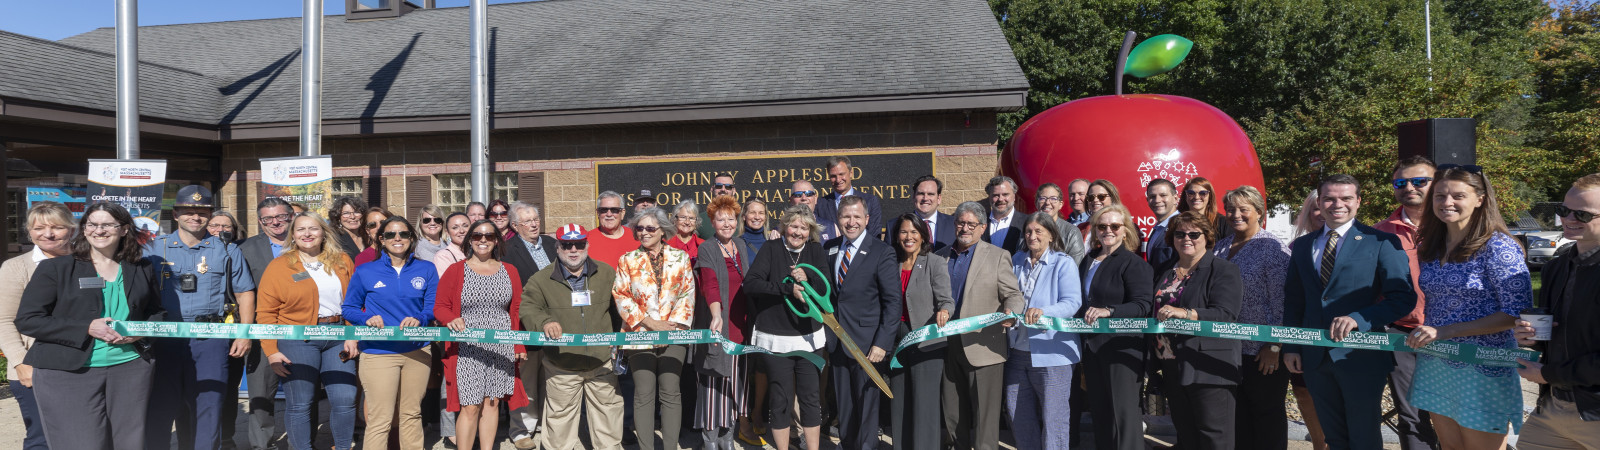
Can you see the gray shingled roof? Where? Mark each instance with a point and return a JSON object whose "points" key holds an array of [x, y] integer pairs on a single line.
{"points": [[553, 55]]}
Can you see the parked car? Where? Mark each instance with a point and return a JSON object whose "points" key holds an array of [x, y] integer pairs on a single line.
{"points": [[1542, 247]]}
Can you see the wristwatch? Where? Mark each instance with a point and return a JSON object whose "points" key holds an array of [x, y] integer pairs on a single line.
{"points": [[1275, 348]]}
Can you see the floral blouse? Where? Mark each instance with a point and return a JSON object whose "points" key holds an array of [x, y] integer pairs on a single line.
{"points": [[1263, 264], [641, 292], [1494, 280]]}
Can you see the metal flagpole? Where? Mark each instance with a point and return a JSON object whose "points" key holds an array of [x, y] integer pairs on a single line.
{"points": [[127, 79], [311, 79], [480, 102]]}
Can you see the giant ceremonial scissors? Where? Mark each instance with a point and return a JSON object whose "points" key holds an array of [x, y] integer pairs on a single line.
{"points": [[820, 309]]}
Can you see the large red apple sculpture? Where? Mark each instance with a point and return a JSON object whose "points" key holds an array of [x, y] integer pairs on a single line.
{"points": [[1133, 139]]}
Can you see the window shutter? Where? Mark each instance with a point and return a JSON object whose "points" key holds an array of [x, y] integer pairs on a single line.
{"points": [[530, 190], [374, 192], [419, 190]]}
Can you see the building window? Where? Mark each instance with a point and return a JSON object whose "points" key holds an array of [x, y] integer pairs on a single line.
{"points": [[505, 186], [350, 187], [453, 192], [372, 4]]}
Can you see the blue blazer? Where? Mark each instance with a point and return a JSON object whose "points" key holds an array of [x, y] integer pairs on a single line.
{"points": [[869, 302], [1371, 283], [1059, 294]]}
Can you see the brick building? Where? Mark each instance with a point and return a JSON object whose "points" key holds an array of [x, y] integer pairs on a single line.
{"points": [[573, 83]]}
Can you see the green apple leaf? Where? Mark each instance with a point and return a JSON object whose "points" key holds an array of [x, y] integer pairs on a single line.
{"points": [[1158, 55]]}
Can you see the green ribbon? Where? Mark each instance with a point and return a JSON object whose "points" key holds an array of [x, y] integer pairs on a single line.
{"points": [[1394, 342], [436, 334]]}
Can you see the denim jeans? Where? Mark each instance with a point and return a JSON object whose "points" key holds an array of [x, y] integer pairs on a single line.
{"points": [[33, 434], [311, 361]]}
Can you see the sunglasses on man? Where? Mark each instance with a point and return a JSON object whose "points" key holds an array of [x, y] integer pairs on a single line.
{"points": [[1580, 216], [798, 194], [1418, 182], [569, 245]]}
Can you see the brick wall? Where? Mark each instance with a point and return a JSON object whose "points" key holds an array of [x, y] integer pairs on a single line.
{"points": [[963, 145]]}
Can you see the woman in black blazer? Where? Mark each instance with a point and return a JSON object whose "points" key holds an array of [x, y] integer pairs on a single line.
{"points": [[781, 331], [92, 387], [1116, 283], [1199, 375]]}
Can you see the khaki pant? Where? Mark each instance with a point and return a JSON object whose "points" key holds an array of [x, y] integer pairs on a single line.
{"points": [[1557, 426], [394, 383], [568, 391]]}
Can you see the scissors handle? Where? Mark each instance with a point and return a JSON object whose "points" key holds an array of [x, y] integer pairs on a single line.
{"points": [[816, 304]]}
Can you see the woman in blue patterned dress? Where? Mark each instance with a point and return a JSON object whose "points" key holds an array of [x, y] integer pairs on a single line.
{"points": [[1260, 418], [1476, 284]]}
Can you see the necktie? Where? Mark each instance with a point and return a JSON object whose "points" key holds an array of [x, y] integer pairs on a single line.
{"points": [[844, 267], [1328, 252]]}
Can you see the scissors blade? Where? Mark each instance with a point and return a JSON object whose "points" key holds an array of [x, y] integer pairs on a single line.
{"points": [[855, 352]]}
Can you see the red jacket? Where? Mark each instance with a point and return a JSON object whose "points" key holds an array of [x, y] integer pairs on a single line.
{"points": [[447, 307]]}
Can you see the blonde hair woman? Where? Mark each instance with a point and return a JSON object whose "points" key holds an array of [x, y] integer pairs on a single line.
{"points": [[287, 299]]}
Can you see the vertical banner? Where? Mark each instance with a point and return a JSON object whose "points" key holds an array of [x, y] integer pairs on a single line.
{"points": [[136, 184], [72, 196], [305, 180]]}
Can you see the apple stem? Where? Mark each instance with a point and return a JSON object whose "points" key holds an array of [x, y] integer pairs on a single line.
{"points": [[1122, 58]]}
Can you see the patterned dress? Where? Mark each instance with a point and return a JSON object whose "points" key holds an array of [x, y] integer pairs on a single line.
{"points": [[485, 370], [1494, 280]]}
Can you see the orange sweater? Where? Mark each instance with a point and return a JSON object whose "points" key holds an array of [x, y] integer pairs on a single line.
{"points": [[282, 300]]}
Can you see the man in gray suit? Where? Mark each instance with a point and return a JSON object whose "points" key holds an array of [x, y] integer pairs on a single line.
{"points": [[275, 217], [982, 283]]}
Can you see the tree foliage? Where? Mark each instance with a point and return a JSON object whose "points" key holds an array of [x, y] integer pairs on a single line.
{"points": [[1329, 80]]}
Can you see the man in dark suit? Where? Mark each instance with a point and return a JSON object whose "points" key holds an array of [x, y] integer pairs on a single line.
{"points": [[941, 226], [841, 176], [1348, 277], [1005, 222], [868, 303], [276, 218], [1162, 196], [982, 282], [530, 252]]}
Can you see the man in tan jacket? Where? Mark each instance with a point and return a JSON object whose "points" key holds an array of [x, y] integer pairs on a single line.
{"points": [[982, 283], [49, 226]]}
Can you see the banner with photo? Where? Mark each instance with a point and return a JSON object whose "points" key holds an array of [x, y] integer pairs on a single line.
{"points": [[71, 196], [136, 184], [306, 180]]}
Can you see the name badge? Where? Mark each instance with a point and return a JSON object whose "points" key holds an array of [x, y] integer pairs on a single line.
{"points": [[91, 283], [300, 276], [581, 298], [833, 251]]}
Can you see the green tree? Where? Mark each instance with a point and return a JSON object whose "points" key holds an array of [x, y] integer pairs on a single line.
{"points": [[1567, 72], [1314, 78]]}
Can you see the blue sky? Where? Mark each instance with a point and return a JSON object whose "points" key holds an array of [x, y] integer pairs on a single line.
{"points": [[57, 19]]}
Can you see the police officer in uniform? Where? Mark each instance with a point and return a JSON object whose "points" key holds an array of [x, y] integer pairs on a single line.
{"points": [[190, 377]]}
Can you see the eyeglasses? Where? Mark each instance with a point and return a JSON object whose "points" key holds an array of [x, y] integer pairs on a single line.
{"points": [[371, 225], [528, 223], [497, 214], [269, 220], [605, 210], [1109, 227], [685, 218], [966, 224], [1192, 235], [350, 213], [722, 186], [1580, 216], [1469, 168], [396, 234], [798, 194], [646, 229], [571, 245], [484, 236], [1100, 197], [1197, 193], [431, 220], [102, 226], [1050, 199], [1418, 182]]}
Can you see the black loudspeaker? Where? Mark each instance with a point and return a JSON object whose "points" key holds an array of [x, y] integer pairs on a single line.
{"points": [[1445, 141]]}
